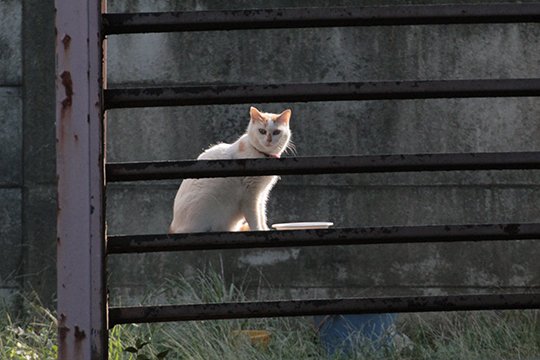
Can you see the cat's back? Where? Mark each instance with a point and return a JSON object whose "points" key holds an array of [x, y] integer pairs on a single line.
{"points": [[208, 204], [219, 151]]}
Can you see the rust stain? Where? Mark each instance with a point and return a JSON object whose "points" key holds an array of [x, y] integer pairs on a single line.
{"points": [[65, 111], [79, 334], [62, 334], [62, 328], [67, 82], [66, 40]]}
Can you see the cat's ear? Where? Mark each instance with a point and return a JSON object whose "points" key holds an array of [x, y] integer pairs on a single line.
{"points": [[256, 115], [284, 117]]}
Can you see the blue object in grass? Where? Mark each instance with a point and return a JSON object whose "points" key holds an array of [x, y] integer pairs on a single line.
{"points": [[340, 333]]}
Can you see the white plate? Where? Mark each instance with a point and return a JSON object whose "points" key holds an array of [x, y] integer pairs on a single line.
{"points": [[302, 225]]}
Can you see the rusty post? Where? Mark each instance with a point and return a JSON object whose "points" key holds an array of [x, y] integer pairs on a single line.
{"points": [[82, 315]]}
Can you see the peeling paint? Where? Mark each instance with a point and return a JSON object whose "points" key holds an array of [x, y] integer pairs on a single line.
{"points": [[66, 40], [79, 334], [67, 83], [63, 329]]}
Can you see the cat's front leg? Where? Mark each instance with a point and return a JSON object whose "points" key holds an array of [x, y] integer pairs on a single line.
{"points": [[252, 219], [261, 209], [255, 199]]}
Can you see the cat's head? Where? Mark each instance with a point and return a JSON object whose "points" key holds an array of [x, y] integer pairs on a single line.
{"points": [[269, 133]]}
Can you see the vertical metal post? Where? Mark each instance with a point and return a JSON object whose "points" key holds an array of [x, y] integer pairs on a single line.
{"points": [[82, 307]]}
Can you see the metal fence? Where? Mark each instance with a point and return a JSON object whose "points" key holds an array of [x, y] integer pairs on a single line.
{"points": [[84, 318]]}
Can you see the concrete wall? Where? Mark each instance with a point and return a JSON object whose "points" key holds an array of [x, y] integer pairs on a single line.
{"points": [[384, 127], [27, 161], [39, 150], [27, 148], [10, 146]]}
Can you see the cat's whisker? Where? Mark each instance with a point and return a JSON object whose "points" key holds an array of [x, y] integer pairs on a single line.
{"points": [[291, 149]]}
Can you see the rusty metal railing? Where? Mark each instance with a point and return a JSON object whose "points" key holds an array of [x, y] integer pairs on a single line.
{"points": [[123, 244], [160, 170], [374, 90], [81, 104], [274, 93], [320, 17], [147, 314]]}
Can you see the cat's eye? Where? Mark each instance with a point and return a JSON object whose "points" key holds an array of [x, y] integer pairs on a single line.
{"points": [[276, 132], [262, 131]]}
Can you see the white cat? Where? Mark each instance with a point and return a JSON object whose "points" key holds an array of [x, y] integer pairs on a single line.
{"points": [[222, 204]]}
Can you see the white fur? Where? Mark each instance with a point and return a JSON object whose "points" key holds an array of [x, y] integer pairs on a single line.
{"points": [[221, 204]]}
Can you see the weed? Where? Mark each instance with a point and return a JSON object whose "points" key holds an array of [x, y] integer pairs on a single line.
{"points": [[476, 335]]}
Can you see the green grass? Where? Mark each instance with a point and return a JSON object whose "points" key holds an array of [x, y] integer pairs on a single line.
{"points": [[290, 338], [464, 335], [30, 335], [475, 335]]}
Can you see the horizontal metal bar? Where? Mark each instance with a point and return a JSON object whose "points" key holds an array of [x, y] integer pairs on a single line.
{"points": [[147, 314], [276, 93], [160, 170], [122, 244], [319, 17]]}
